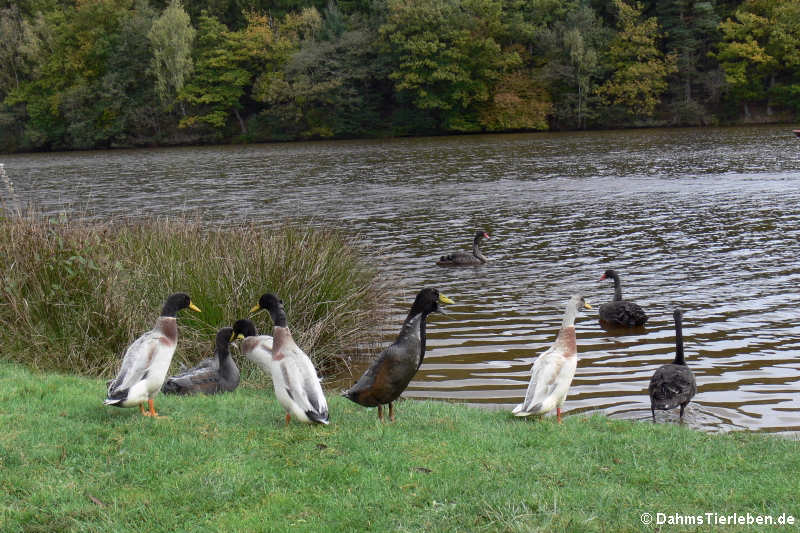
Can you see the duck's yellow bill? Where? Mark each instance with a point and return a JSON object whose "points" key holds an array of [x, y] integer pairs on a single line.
{"points": [[445, 300], [194, 307], [255, 308], [240, 336], [586, 305], [233, 336]]}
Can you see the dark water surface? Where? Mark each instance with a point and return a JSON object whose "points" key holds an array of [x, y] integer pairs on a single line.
{"points": [[704, 219]]}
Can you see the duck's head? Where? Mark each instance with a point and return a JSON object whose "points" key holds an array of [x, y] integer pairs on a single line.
{"points": [[480, 235], [579, 302], [176, 302], [428, 301], [242, 329], [274, 306], [609, 274]]}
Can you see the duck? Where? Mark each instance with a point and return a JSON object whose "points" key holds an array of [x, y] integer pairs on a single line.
{"points": [[673, 384], [215, 374], [391, 372], [553, 370], [621, 312], [296, 383], [465, 259], [146, 361]]}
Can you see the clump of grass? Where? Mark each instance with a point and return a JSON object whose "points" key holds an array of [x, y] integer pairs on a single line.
{"points": [[73, 293]]}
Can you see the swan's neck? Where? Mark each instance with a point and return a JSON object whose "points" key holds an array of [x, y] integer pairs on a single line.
{"points": [[617, 289], [476, 251], [679, 360]]}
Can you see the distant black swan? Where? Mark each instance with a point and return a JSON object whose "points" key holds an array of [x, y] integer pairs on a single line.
{"points": [[463, 258], [621, 312]]}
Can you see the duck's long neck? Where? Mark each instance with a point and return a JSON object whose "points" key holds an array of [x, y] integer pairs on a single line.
{"points": [[569, 316], [617, 289], [168, 325], [679, 360], [222, 351], [415, 321]]}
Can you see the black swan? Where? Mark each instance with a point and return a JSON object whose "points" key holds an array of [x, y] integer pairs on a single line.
{"points": [[621, 312], [673, 384], [389, 375], [463, 258]]}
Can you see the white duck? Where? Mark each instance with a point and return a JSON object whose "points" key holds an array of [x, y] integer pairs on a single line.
{"points": [[294, 378], [146, 362], [553, 371]]}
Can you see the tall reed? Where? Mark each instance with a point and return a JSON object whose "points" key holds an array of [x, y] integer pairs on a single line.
{"points": [[73, 294]]}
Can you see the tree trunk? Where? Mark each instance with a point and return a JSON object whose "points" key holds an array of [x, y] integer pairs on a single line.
{"points": [[241, 121]]}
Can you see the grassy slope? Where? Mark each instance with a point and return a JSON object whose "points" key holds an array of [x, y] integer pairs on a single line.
{"points": [[229, 464]]}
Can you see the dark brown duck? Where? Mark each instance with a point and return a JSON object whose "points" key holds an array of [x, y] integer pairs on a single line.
{"points": [[391, 372]]}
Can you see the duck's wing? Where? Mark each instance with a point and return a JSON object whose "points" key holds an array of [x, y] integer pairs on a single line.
{"points": [[201, 378], [137, 361], [545, 381], [302, 384], [258, 349]]}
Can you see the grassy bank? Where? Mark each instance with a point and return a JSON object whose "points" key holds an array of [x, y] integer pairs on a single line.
{"points": [[73, 294], [229, 464]]}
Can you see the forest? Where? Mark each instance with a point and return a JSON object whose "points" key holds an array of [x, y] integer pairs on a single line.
{"points": [[80, 74]]}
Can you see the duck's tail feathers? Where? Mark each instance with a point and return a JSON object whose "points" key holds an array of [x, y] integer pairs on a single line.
{"points": [[319, 418], [170, 387], [520, 410]]}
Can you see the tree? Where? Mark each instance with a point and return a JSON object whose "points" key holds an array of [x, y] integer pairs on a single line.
{"points": [[66, 98], [760, 52], [232, 68], [332, 86], [445, 56], [572, 50], [518, 103], [171, 37], [691, 30], [639, 67]]}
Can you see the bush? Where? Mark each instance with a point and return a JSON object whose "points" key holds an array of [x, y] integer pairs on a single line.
{"points": [[74, 294]]}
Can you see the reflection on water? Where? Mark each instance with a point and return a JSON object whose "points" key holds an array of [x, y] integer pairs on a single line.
{"points": [[708, 220]]}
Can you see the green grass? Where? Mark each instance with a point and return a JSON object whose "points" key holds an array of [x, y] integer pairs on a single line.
{"points": [[74, 294], [228, 463]]}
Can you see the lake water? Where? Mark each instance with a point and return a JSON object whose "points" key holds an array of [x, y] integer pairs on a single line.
{"points": [[704, 219]]}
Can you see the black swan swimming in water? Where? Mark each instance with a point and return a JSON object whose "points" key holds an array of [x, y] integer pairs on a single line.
{"points": [[621, 312], [463, 258]]}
